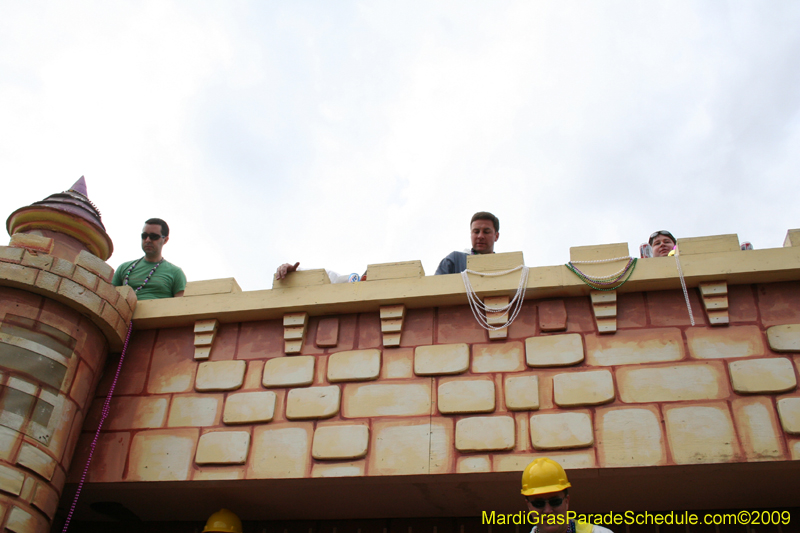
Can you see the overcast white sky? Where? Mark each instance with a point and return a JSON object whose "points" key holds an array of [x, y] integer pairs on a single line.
{"points": [[344, 133]]}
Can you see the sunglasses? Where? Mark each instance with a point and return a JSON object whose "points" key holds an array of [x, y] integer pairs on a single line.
{"points": [[539, 504], [662, 232], [153, 236]]}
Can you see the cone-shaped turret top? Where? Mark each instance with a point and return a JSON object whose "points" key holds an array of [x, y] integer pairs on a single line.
{"points": [[69, 212]]}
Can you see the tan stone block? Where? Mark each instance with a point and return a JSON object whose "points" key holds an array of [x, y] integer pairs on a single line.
{"points": [[295, 319], [249, 407], [45, 499], [223, 448], [11, 255], [38, 260], [474, 463], [466, 396], [47, 281], [505, 357], [792, 238], [204, 339], [162, 455], [202, 353], [280, 452], [313, 402], [583, 388], [733, 341], [387, 399], [392, 340], [36, 460], [80, 295], [352, 469], [340, 442], [554, 350], [194, 410], [689, 381], [295, 371], [62, 267], [398, 363], [8, 442], [498, 334], [18, 273], [390, 312], [568, 460], [220, 375], [85, 278], [94, 264], [21, 521], [485, 433], [208, 325], [784, 338], [392, 325], [700, 433], [107, 292], [411, 446], [708, 245], [629, 347], [137, 412], [763, 375], [789, 412], [522, 393], [441, 359], [11, 480], [757, 427], [561, 430], [495, 262], [355, 365], [630, 437]]}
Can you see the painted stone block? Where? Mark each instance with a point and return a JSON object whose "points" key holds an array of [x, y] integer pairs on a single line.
{"points": [[354, 365], [11, 479], [220, 375], [554, 350], [36, 460], [552, 315], [785, 338], [630, 437], [387, 399], [341, 469], [294, 371], [583, 388], [518, 462], [522, 393], [173, 366], [763, 375], [328, 332], [398, 363], [411, 446], [249, 407], [498, 357], [45, 499], [313, 402], [223, 447], [340, 442], [733, 341], [690, 381], [162, 455], [789, 411], [136, 412], [758, 429], [553, 431], [700, 433], [630, 347], [280, 451], [441, 359], [194, 410], [21, 521], [466, 396], [474, 463], [485, 433]]}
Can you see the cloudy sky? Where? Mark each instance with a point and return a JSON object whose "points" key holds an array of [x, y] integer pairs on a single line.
{"points": [[345, 133]]}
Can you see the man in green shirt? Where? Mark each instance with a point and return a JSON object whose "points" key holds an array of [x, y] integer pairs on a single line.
{"points": [[152, 276]]}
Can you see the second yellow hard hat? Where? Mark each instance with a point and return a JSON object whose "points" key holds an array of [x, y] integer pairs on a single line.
{"points": [[543, 476]]}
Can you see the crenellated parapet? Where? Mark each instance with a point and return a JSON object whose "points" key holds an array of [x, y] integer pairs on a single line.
{"points": [[444, 400]]}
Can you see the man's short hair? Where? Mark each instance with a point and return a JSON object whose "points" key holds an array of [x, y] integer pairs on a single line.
{"points": [[485, 215], [164, 227]]}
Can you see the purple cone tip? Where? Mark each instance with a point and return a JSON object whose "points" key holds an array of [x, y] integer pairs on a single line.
{"points": [[80, 187]]}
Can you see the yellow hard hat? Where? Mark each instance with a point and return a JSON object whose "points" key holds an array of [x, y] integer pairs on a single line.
{"points": [[223, 521], [543, 476]]}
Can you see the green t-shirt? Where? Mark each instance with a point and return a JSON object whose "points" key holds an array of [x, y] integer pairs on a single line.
{"points": [[165, 282]]}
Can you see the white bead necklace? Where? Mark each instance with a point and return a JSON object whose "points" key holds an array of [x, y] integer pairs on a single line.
{"points": [[479, 309], [683, 285]]}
